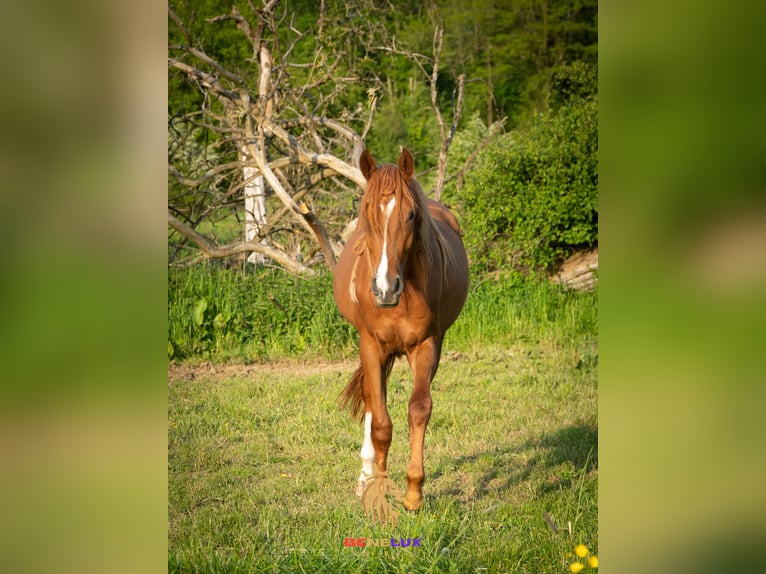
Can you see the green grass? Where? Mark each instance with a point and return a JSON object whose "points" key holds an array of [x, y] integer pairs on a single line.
{"points": [[224, 314], [262, 468]]}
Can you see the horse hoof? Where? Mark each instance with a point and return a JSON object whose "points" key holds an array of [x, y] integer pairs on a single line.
{"points": [[412, 501], [359, 488]]}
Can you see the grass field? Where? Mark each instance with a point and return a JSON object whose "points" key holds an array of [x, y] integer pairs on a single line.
{"points": [[263, 466]]}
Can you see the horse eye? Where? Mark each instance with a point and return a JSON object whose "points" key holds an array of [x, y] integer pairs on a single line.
{"points": [[411, 216]]}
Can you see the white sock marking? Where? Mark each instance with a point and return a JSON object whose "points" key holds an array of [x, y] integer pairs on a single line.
{"points": [[380, 274], [368, 451]]}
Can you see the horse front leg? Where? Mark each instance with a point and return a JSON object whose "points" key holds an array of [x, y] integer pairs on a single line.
{"points": [[424, 361], [367, 454], [377, 423]]}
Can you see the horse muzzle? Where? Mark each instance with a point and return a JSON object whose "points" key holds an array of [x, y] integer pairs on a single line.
{"points": [[387, 296]]}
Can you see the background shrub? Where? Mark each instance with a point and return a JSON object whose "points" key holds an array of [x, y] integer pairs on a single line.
{"points": [[531, 198]]}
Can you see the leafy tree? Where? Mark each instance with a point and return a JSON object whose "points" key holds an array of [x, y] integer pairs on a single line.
{"points": [[509, 50]]}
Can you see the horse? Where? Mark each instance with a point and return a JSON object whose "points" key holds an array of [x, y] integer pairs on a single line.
{"points": [[401, 281]]}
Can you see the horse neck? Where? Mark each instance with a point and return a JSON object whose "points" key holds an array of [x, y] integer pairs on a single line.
{"points": [[426, 246], [434, 247]]}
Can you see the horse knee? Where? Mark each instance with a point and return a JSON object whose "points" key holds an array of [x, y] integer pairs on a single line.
{"points": [[382, 431], [420, 409]]}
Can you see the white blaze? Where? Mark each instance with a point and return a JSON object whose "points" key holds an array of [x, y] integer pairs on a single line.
{"points": [[380, 274]]}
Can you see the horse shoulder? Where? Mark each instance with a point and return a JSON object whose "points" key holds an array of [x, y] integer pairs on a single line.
{"points": [[342, 278]]}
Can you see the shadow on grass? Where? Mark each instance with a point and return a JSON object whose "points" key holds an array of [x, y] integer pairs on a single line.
{"points": [[552, 462]]}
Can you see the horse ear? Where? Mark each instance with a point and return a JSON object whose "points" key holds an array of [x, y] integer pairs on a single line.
{"points": [[366, 164], [406, 164]]}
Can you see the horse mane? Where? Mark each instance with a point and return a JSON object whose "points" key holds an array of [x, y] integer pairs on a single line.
{"points": [[389, 181], [429, 227]]}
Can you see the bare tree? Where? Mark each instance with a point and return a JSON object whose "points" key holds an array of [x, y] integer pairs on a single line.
{"points": [[276, 128], [275, 131]]}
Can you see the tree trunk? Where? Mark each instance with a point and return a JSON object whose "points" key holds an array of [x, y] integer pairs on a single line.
{"points": [[580, 271], [255, 185], [255, 207]]}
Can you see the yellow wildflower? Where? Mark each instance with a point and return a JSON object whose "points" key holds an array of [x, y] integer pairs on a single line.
{"points": [[581, 550], [593, 561], [575, 567]]}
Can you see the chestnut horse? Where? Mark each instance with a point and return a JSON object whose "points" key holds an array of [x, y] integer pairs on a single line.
{"points": [[401, 280]]}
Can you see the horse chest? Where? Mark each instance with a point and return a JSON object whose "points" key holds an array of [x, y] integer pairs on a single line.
{"points": [[402, 327], [398, 336]]}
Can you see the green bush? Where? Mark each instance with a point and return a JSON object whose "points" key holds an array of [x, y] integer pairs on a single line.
{"points": [[531, 198]]}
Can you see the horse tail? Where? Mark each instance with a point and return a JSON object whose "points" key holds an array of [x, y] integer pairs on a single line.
{"points": [[353, 395]]}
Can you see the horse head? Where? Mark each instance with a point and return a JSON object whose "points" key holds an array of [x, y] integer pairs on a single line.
{"points": [[392, 214]]}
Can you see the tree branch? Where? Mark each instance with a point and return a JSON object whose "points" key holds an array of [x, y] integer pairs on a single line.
{"points": [[208, 81], [308, 218], [446, 139], [212, 250], [181, 27], [321, 235], [307, 157]]}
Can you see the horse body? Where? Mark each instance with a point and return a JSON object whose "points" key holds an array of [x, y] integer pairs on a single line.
{"points": [[401, 280]]}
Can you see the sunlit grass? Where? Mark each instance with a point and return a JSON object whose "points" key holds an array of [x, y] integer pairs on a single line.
{"points": [[262, 472], [263, 467]]}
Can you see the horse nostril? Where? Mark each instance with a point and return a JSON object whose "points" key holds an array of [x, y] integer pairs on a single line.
{"points": [[397, 285], [375, 290]]}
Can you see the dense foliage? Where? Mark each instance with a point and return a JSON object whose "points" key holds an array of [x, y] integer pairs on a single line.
{"points": [[532, 197], [508, 50]]}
